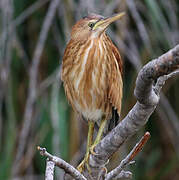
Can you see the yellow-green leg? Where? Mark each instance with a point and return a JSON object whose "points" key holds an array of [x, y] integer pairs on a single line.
{"points": [[99, 135], [89, 143]]}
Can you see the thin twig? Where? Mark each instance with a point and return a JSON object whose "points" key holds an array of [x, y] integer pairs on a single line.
{"points": [[62, 164], [124, 175], [161, 81], [138, 147], [49, 172]]}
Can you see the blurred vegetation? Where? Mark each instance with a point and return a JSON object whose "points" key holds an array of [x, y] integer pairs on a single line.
{"points": [[33, 107]]}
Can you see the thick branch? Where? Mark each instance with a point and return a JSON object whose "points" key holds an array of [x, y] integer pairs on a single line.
{"points": [[164, 65], [147, 101], [147, 95]]}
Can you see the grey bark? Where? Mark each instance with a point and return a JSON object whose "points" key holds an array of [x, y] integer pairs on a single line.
{"points": [[147, 99], [147, 93]]}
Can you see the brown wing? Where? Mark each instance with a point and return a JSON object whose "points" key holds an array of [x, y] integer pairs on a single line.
{"points": [[67, 63], [115, 80]]}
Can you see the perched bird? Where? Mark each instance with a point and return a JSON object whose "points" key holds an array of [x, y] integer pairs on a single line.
{"points": [[92, 75]]}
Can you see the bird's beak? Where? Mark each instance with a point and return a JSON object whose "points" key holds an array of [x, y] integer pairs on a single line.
{"points": [[104, 23]]}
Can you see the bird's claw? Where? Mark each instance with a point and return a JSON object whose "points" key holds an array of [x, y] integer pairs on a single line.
{"points": [[92, 150], [84, 163], [81, 166]]}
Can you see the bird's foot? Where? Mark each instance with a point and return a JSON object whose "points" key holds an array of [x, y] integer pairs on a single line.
{"points": [[84, 163], [92, 149], [81, 166]]}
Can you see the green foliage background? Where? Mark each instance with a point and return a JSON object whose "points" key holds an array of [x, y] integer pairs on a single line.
{"points": [[149, 29]]}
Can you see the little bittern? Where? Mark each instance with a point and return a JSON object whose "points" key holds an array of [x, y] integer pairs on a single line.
{"points": [[91, 74]]}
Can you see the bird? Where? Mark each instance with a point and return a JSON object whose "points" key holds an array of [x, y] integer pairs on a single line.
{"points": [[92, 76]]}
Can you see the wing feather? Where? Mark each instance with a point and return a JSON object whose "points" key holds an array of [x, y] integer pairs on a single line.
{"points": [[115, 79]]}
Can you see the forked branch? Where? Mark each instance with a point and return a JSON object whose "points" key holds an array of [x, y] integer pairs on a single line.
{"points": [[128, 160], [147, 100], [61, 164], [147, 93]]}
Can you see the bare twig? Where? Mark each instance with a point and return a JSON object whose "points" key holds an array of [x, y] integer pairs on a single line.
{"points": [[62, 164], [138, 147], [161, 81], [49, 172], [124, 174], [33, 83], [175, 73]]}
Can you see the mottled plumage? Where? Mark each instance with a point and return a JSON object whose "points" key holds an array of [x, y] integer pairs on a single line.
{"points": [[91, 74], [91, 70]]}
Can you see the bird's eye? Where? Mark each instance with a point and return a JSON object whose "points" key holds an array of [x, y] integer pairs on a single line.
{"points": [[91, 24]]}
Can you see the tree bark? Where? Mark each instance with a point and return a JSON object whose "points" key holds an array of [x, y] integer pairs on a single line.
{"points": [[147, 93]]}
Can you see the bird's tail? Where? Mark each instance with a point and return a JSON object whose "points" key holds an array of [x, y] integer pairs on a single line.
{"points": [[113, 122]]}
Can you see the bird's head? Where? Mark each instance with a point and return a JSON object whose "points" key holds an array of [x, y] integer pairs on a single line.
{"points": [[92, 25]]}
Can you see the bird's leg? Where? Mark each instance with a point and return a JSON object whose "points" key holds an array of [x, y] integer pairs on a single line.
{"points": [[99, 135], [89, 143]]}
